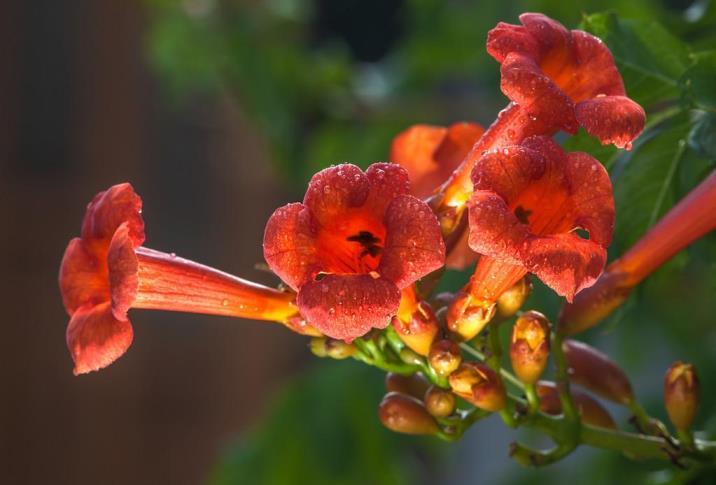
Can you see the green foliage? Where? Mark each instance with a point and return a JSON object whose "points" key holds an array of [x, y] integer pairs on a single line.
{"points": [[650, 59], [673, 85], [322, 430]]}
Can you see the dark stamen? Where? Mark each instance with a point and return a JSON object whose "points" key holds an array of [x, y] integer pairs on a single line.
{"points": [[369, 242], [523, 214]]}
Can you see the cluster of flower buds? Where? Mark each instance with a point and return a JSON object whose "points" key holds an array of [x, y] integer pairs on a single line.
{"points": [[412, 404]]}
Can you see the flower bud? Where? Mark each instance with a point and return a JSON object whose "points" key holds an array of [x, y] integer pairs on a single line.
{"points": [[467, 316], [529, 347], [404, 414], [479, 385], [418, 328], [681, 394], [413, 385], [597, 372], [439, 402], [512, 300], [328, 347], [444, 357], [591, 411]]}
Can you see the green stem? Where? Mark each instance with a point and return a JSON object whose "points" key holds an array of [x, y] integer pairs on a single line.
{"points": [[369, 354], [636, 445], [507, 375], [532, 399], [562, 379]]}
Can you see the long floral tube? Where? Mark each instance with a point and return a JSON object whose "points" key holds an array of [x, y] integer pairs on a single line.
{"points": [[168, 282], [512, 125], [106, 271], [693, 217]]}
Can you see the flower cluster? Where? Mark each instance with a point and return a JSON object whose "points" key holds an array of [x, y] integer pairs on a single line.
{"points": [[363, 252]]}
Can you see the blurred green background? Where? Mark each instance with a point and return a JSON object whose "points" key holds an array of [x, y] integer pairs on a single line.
{"points": [[304, 84]]}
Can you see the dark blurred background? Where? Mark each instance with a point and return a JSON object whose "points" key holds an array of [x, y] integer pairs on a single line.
{"points": [[218, 112]]}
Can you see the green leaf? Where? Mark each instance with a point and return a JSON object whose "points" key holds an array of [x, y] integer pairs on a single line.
{"points": [[699, 81], [650, 59], [644, 179], [583, 142], [323, 429], [702, 138]]}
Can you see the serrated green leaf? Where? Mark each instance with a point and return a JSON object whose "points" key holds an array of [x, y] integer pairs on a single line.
{"points": [[650, 59]]}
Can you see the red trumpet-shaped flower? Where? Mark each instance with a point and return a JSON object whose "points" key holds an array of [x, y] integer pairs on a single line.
{"points": [[529, 201], [106, 271], [556, 79], [567, 78], [352, 245], [430, 154]]}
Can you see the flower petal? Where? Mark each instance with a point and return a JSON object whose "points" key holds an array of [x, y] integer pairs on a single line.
{"points": [[461, 256], [387, 181], [414, 245], [457, 143], [123, 279], [348, 306], [111, 208], [83, 275], [591, 197], [550, 35], [565, 262], [508, 171], [612, 119], [524, 83], [596, 72], [414, 149], [96, 338], [290, 245], [431, 153], [334, 190], [495, 231], [506, 38]]}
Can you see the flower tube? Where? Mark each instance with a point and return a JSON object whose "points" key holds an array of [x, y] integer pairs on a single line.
{"points": [[693, 217], [106, 271]]}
